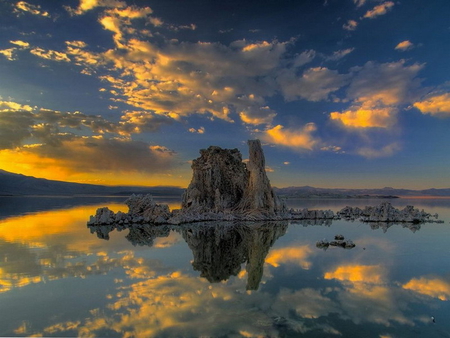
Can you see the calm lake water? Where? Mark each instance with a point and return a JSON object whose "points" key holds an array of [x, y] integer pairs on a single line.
{"points": [[60, 278]]}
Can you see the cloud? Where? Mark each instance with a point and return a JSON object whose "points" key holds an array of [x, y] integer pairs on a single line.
{"points": [[202, 78], [178, 79], [379, 10], [50, 54], [350, 25], [334, 149], [10, 105], [430, 286], [436, 105], [307, 303], [257, 115], [16, 117], [169, 78], [385, 151], [25, 7], [8, 53], [20, 43], [391, 83], [376, 92], [366, 116], [297, 255], [70, 154], [404, 46], [315, 84], [359, 3], [200, 130], [339, 54], [303, 58], [373, 274], [293, 138], [75, 142], [87, 5], [14, 128], [142, 121]]}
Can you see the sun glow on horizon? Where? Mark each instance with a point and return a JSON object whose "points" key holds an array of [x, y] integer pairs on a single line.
{"points": [[32, 165]]}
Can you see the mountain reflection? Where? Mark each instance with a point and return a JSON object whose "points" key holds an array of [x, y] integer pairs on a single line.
{"points": [[219, 249]]}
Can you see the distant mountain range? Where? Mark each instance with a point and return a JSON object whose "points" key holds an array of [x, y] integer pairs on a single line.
{"points": [[387, 192], [20, 185]]}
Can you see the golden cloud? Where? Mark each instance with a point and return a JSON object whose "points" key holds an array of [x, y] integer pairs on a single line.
{"points": [[87, 5], [435, 105], [293, 138], [373, 274], [50, 54], [297, 255], [404, 45], [366, 117], [350, 25], [20, 43], [8, 53], [377, 90], [434, 287], [23, 6], [379, 10]]}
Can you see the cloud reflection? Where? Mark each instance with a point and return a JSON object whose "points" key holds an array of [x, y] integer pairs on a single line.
{"points": [[435, 287]]}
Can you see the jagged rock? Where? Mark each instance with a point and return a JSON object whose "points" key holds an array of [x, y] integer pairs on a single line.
{"points": [[385, 212], [310, 214], [338, 241], [143, 208], [259, 196], [103, 216], [218, 182], [221, 182], [323, 244]]}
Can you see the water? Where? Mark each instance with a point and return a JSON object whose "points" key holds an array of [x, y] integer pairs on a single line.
{"points": [[60, 278]]}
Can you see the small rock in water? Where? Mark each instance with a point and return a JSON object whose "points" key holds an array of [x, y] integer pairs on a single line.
{"points": [[323, 244]]}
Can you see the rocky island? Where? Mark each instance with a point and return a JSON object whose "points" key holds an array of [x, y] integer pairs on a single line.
{"points": [[224, 188]]}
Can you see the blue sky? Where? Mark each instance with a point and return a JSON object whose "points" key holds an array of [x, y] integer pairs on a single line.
{"points": [[342, 93]]}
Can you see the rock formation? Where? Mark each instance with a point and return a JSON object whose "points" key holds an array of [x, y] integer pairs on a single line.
{"points": [[385, 212], [259, 196], [221, 182], [224, 188], [218, 183]]}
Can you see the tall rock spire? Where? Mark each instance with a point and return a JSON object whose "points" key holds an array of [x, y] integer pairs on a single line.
{"points": [[259, 196], [222, 182]]}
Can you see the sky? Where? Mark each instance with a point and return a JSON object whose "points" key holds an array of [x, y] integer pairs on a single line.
{"points": [[342, 93]]}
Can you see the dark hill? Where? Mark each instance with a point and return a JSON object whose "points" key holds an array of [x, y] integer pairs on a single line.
{"points": [[19, 185]]}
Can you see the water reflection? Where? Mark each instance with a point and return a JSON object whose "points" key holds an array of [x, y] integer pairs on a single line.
{"points": [[259, 280], [219, 249]]}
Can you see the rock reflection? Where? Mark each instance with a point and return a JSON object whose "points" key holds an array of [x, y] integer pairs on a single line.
{"points": [[219, 249], [145, 235], [386, 225]]}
